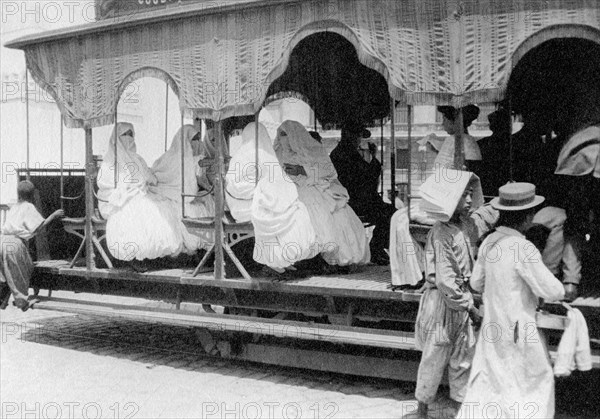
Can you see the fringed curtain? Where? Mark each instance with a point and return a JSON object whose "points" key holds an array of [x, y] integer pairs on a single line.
{"points": [[429, 51]]}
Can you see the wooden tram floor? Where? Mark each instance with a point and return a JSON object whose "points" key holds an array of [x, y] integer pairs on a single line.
{"points": [[368, 282], [371, 282]]}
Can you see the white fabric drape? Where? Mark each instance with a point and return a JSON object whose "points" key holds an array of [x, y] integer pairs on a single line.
{"points": [[241, 177], [443, 190], [340, 233], [167, 170], [573, 352], [220, 64], [407, 256], [283, 230], [123, 172], [580, 156]]}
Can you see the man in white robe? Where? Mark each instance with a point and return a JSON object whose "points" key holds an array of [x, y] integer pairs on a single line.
{"points": [[511, 376]]}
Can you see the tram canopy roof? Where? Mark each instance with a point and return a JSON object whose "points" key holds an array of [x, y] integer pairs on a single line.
{"points": [[222, 58]]}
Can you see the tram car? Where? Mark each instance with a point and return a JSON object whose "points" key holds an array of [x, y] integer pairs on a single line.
{"points": [[225, 61]]}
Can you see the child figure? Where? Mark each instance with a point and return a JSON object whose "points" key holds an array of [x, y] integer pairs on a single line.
{"points": [[23, 222], [444, 329]]}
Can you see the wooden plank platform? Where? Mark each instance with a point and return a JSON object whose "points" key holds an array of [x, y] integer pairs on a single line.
{"points": [[242, 324], [336, 334], [369, 282]]}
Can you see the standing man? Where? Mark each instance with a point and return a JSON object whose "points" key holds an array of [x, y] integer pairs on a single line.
{"points": [[361, 180], [511, 374], [494, 168]]}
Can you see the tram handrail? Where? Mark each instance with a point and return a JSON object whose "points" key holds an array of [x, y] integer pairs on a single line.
{"points": [[3, 211], [47, 171]]}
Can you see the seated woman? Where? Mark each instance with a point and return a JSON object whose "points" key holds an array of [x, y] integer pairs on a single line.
{"points": [[167, 170], [241, 178], [340, 233], [140, 224], [207, 167], [23, 221], [283, 230]]}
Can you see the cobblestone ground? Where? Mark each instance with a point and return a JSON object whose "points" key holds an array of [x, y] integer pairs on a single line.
{"points": [[65, 366]]}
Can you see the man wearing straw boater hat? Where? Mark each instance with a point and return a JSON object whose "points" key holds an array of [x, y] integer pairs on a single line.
{"points": [[511, 369], [444, 327]]}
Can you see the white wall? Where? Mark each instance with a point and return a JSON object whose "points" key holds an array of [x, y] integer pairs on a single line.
{"points": [[147, 112]]}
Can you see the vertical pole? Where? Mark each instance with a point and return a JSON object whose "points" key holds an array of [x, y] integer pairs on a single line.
{"points": [[381, 143], [62, 163], [393, 147], [256, 162], [409, 171], [166, 117], [89, 200], [459, 149], [116, 169], [27, 120], [510, 142], [219, 201], [182, 169]]}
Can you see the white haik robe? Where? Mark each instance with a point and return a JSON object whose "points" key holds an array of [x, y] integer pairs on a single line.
{"points": [[511, 374]]}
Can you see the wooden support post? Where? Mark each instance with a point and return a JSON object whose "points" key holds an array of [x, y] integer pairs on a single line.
{"points": [[116, 170], [409, 172], [219, 201], [28, 138], [182, 139], [459, 148], [256, 162], [62, 163], [510, 142], [381, 143], [90, 171], [178, 299], [166, 117], [393, 148]]}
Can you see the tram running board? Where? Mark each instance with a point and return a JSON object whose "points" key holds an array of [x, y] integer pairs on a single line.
{"points": [[233, 323], [372, 366]]}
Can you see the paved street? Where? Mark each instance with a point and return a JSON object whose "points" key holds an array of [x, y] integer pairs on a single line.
{"points": [[55, 365], [64, 366]]}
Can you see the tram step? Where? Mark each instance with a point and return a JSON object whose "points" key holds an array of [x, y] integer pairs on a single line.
{"points": [[254, 325], [243, 324]]}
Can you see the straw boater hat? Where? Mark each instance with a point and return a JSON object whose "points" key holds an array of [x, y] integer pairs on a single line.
{"points": [[517, 196]]}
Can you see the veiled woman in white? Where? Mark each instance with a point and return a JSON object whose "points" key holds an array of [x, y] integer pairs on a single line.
{"points": [[283, 230], [340, 233], [140, 224], [242, 176], [167, 170]]}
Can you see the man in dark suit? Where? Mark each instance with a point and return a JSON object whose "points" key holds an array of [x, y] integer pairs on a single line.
{"points": [[361, 179]]}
